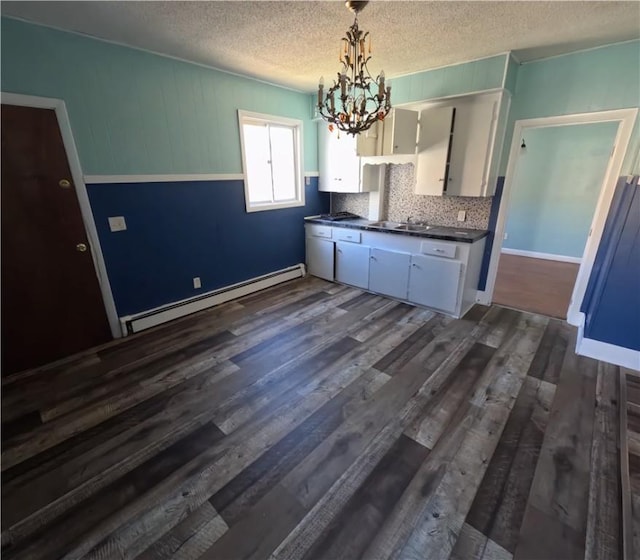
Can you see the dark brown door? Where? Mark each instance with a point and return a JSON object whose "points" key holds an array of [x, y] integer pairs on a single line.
{"points": [[52, 306]]}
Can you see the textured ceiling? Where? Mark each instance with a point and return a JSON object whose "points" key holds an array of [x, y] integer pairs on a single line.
{"points": [[293, 43]]}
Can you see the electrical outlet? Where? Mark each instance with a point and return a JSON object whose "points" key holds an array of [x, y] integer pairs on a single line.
{"points": [[506, 235], [196, 282], [117, 223], [462, 215], [307, 181]]}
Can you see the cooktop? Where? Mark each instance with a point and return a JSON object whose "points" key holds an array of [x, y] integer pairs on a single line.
{"points": [[337, 216]]}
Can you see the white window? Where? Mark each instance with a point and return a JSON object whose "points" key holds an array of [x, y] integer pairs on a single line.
{"points": [[272, 161]]}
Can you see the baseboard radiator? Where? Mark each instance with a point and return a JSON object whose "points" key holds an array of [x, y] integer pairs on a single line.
{"points": [[131, 324]]}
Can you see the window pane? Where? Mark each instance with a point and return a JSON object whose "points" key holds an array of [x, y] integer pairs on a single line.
{"points": [[256, 147], [284, 168]]}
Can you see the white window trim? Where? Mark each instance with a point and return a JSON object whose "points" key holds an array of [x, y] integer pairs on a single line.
{"points": [[299, 160]]}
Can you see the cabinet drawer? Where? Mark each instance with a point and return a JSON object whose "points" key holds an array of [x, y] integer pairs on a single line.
{"points": [[320, 231], [348, 235], [439, 249]]}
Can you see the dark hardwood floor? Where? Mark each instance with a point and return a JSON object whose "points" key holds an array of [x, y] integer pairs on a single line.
{"points": [[317, 421], [631, 470]]}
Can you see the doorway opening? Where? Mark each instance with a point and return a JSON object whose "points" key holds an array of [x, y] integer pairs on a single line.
{"points": [[560, 180]]}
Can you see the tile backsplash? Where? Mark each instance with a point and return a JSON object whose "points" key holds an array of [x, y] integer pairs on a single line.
{"points": [[401, 202], [356, 203]]}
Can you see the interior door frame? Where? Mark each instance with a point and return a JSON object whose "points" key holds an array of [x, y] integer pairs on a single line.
{"points": [[58, 105], [626, 119]]}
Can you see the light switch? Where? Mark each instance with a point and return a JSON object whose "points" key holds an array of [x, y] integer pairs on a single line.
{"points": [[462, 215], [117, 223]]}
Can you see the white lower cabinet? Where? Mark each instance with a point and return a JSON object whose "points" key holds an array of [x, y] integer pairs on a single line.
{"points": [[320, 257], [352, 264], [434, 282], [441, 275], [389, 272]]}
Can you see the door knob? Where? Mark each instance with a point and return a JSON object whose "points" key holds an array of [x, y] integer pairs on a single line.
{"points": [[82, 247], [64, 183]]}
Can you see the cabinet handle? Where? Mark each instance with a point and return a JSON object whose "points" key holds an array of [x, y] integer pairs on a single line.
{"points": [[439, 250], [415, 265], [373, 258], [441, 180], [339, 250]]}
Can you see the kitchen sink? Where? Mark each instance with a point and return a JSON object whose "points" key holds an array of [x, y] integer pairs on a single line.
{"points": [[412, 227], [385, 224], [399, 226]]}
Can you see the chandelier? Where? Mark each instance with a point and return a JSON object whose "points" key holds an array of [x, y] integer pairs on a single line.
{"points": [[361, 100]]}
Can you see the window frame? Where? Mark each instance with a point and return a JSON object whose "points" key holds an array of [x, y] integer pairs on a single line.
{"points": [[249, 117]]}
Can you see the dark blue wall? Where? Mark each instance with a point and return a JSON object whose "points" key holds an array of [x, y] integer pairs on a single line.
{"points": [[612, 300], [493, 222], [179, 230]]}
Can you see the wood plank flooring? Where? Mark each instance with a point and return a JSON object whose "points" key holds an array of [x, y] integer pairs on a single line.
{"points": [[631, 454], [316, 421], [535, 285]]}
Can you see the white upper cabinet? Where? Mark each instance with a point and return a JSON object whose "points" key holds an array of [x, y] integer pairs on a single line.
{"points": [[458, 146], [338, 162], [400, 131], [341, 170], [396, 135], [433, 148], [471, 142]]}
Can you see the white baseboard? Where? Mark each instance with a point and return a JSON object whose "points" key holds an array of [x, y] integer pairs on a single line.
{"points": [[605, 352], [131, 324], [545, 256]]}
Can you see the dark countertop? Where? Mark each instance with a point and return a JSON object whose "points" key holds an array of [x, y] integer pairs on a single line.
{"points": [[444, 233]]}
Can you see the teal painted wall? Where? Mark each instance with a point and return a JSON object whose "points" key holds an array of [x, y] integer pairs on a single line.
{"points": [[583, 82], [458, 79], [134, 112], [556, 186], [511, 78]]}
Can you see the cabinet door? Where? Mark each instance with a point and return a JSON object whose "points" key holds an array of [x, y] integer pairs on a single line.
{"points": [[339, 165], [389, 273], [352, 264], [369, 142], [320, 257], [433, 150], [471, 147], [400, 131], [434, 282]]}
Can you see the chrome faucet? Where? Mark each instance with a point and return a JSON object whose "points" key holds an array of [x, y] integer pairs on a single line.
{"points": [[409, 219]]}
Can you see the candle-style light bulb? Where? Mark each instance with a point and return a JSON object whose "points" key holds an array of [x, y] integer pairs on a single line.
{"points": [[320, 88], [381, 85]]}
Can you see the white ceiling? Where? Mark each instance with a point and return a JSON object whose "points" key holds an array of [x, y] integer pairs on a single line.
{"points": [[293, 43]]}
